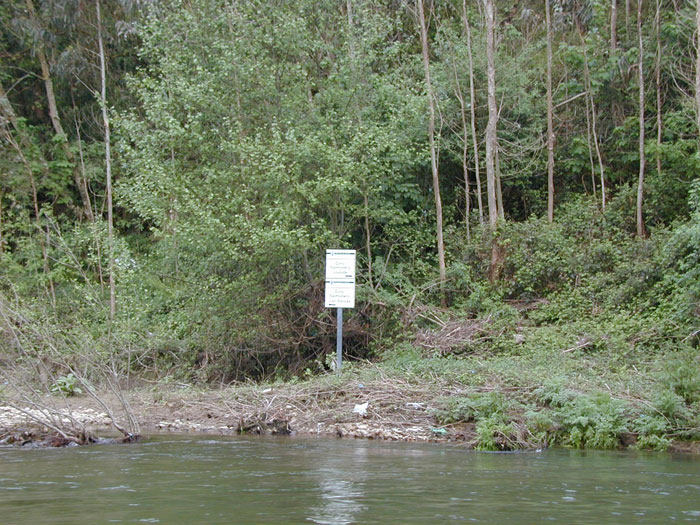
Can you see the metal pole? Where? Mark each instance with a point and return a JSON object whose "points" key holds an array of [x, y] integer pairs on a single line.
{"points": [[339, 340]]}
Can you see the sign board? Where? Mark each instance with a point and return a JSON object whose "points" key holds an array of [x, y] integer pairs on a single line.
{"points": [[340, 278]]}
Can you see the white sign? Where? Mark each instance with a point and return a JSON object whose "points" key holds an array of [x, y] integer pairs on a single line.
{"points": [[340, 278]]}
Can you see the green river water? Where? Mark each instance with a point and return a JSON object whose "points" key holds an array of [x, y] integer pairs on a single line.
{"points": [[186, 479]]}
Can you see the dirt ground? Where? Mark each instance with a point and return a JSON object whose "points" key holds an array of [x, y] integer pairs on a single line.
{"points": [[385, 409], [382, 410]]}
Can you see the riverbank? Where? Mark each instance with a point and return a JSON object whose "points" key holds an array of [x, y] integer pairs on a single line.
{"points": [[494, 403], [326, 406]]}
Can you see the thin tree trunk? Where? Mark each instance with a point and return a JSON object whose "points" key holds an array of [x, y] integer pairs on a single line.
{"points": [[98, 249], [642, 156], [2, 237], [368, 233], [472, 111], [499, 188], [465, 145], [491, 138], [431, 138], [659, 101], [550, 119], [697, 66], [627, 18], [108, 167], [594, 116], [56, 120], [613, 27], [590, 147], [368, 243], [493, 113]]}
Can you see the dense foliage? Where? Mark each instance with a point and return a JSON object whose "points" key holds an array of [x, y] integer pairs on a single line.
{"points": [[249, 136]]}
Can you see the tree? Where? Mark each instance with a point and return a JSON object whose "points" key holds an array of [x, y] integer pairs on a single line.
{"points": [[431, 139], [108, 164], [550, 123], [613, 27], [9, 127], [492, 176], [642, 155], [491, 138], [54, 113], [591, 113], [697, 65], [472, 110]]}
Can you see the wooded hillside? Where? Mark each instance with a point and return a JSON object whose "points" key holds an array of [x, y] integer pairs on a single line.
{"points": [[172, 171]]}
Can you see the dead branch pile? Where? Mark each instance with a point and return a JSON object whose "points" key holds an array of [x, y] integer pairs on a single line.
{"points": [[447, 336]]}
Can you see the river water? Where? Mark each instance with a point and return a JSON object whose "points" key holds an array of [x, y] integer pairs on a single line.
{"points": [[185, 479]]}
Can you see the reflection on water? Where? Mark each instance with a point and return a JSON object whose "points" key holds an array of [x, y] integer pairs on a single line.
{"points": [[246, 480], [341, 489]]}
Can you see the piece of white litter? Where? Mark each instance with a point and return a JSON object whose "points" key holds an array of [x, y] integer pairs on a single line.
{"points": [[361, 409]]}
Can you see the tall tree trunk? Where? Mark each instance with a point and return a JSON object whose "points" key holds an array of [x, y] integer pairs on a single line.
{"points": [[627, 18], [642, 156], [431, 138], [472, 112], [613, 27], [56, 119], [659, 101], [108, 166], [491, 137], [550, 119], [697, 66]]}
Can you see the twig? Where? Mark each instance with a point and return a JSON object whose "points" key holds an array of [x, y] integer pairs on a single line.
{"points": [[580, 345]]}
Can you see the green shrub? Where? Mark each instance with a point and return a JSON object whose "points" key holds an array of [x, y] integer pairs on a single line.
{"points": [[494, 433], [66, 385], [681, 375], [472, 408], [652, 432], [585, 421]]}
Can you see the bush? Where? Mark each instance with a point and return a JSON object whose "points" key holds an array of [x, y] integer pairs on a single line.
{"points": [[652, 432], [595, 421]]}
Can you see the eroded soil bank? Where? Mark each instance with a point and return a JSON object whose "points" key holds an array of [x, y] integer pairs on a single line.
{"points": [[505, 403], [388, 409]]}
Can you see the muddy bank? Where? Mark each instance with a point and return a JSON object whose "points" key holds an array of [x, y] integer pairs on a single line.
{"points": [[383, 409]]}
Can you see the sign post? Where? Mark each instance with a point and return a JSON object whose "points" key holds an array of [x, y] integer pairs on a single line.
{"points": [[340, 290]]}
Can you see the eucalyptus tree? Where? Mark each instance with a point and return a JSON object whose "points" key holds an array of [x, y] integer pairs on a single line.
{"points": [[491, 137]]}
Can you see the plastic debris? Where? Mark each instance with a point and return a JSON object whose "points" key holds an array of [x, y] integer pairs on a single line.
{"points": [[361, 409]]}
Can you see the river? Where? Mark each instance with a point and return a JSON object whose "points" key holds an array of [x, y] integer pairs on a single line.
{"points": [[186, 479]]}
